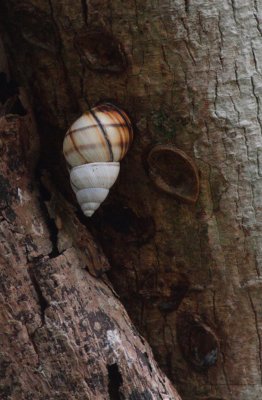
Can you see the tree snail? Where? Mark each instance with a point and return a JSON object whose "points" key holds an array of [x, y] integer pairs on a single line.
{"points": [[93, 147]]}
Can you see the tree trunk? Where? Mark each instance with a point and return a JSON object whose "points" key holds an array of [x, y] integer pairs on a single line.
{"points": [[189, 74], [64, 333]]}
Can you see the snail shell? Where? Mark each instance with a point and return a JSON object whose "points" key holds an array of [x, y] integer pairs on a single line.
{"points": [[102, 134], [93, 145], [91, 183]]}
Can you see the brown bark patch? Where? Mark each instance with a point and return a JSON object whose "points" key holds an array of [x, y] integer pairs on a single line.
{"points": [[101, 51], [173, 172], [197, 341]]}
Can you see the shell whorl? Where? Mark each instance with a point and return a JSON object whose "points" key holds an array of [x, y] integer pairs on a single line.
{"points": [[102, 134], [93, 147], [91, 183]]}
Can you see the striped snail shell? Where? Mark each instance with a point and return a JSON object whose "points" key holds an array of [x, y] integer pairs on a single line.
{"points": [[93, 147], [102, 134]]}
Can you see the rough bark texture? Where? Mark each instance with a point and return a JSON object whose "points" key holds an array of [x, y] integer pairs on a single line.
{"points": [[188, 73], [64, 333]]}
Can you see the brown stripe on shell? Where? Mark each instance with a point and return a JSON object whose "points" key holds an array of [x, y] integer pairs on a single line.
{"points": [[100, 135], [105, 107], [108, 108], [88, 146], [123, 138], [92, 127], [75, 147], [127, 136], [123, 115], [104, 134]]}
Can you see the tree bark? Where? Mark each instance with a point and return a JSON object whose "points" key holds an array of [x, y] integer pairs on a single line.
{"points": [[64, 333], [189, 74]]}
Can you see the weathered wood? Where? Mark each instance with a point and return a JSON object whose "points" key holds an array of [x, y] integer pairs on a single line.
{"points": [[189, 73], [64, 333]]}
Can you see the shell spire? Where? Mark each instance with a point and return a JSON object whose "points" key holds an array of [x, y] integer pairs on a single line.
{"points": [[93, 147]]}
